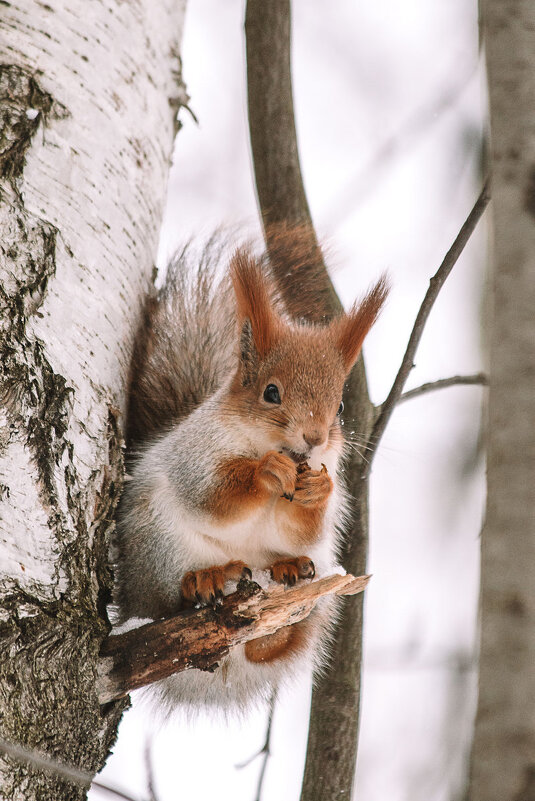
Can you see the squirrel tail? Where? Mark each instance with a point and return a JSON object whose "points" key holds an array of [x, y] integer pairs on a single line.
{"points": [[184, 343]]}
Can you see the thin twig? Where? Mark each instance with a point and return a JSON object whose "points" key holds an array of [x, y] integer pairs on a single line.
{"points": [[265, 751], [68, 772], [150, 770], [435, 285], [266, 755], [455, 380]]}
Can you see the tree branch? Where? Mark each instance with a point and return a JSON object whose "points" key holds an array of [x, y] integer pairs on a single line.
{"points": [[72, 774], [443, 383], [279, 183], [149, 768], [278, 180], [435, 285], [199, 639], [265, 751], [334, 714]]}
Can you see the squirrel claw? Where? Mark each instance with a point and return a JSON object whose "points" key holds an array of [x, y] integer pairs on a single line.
{"points": [[288, 496], [289, 571]]}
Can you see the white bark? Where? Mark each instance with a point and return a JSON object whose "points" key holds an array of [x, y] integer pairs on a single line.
{"points": [[503, 758], [88, 95]]}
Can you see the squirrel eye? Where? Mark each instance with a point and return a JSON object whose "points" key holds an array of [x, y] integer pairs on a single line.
{"points": [[340, 409], [271, 394]]}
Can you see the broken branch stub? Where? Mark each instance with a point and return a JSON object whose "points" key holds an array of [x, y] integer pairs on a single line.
{"points": [[199, 639]]}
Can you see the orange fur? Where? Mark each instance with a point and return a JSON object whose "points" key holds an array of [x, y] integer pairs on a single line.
{"points": [[279, 645], [304, 515], [287, 571], [205, 586], [254, 302], [238, 491], [302, 525], [297, 263], [277, 473], [246, 483], [350, 329]]}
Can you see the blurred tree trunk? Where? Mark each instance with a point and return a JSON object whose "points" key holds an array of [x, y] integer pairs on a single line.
{"points": [[88, 97], [503, 757], [334, 714]]}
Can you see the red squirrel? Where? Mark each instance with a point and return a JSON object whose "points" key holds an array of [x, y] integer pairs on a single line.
{"points": [[238, 410]]}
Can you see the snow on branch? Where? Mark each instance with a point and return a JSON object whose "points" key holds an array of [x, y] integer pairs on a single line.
{"points": [[199, 639]]}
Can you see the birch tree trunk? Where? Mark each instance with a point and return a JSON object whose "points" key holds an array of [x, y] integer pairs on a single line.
{"points": [[503, 758], [88, 98]]}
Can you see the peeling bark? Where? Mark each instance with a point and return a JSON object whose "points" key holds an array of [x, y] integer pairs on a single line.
{"points": [[87, 103]]}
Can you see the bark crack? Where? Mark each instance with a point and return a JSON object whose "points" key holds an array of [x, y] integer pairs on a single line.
{"points": [[37, 401], [23, 106]]}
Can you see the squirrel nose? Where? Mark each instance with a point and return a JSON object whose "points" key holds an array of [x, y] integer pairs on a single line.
{"points": [[314, 437]]}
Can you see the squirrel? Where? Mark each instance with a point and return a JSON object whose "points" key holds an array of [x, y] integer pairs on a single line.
{"points": [[236, 443]]}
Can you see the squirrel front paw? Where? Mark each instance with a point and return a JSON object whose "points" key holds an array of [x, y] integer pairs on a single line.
{"points": [[203, 587], [287, 571], [312, 487], [277, 473]]}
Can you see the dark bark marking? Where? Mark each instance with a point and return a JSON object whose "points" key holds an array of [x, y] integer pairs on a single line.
{"points": [[19, 93], [63, 655], [46, 646], [527, 792], [529, 192], [514, 605], [107, 499], [29, 388], [181, 98]]}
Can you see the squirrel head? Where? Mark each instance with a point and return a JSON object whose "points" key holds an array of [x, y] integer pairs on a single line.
{"points": [[290, 376]]}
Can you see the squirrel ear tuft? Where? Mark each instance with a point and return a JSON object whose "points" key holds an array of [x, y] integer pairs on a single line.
{"points": [[249, 356], [351, 329], [254, 302]]}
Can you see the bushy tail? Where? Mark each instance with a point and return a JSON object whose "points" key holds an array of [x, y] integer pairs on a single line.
{"points": [[184, 345]]}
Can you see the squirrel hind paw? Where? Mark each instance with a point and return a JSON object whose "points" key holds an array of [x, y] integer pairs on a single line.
{"points": [[288, 571], [206, 587]]}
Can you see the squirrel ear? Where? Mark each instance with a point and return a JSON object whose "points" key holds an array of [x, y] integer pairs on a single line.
{"points": [[249, 356], [351, 329], [254, 304]]}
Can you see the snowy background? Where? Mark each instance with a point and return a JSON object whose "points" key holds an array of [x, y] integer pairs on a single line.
{"points": [[390, 105]]}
